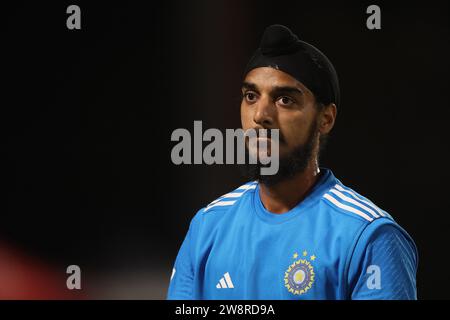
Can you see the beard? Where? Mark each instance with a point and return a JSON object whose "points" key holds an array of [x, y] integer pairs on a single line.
{"points": [[290, 164]]}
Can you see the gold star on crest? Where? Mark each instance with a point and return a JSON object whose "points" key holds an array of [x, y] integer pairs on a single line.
{"points": [[313, 257], [295, 255], [305, 253]]}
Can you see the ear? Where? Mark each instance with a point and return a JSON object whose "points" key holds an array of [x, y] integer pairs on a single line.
{"points": [[327, 118]]}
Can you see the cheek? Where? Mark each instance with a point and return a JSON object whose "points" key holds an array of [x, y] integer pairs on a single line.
{"points": [[246, 117], [294, 129]]}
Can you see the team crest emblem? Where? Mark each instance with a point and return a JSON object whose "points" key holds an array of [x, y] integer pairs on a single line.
{"points": [[299, 277]]}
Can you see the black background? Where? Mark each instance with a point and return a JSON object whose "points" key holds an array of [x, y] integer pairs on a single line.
{"points": [[87, 115]]}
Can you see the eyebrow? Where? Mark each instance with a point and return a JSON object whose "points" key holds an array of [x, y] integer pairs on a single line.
{"points": [[249, 86], [275, 90]]}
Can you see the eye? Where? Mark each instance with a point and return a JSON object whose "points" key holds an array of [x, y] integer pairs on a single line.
{"points": [[285, 101], [250, 96]]}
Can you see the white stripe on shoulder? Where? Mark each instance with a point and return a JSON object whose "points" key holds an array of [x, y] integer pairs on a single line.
{"points": [[356, 203], [229, 195], [220, 204], [233, 195], [372, 205], [346, 207], [247, 186]]}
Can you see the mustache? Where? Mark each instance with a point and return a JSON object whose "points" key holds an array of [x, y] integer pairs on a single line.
{"points": [[267, 133]]}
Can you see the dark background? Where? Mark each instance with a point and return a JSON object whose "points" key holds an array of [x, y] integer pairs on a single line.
{"points": [[87, 115]]}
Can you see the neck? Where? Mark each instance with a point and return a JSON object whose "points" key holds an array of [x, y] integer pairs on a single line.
{"points": [[286, 194]]}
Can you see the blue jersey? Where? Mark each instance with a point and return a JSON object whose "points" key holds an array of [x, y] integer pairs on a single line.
{"points": [[335, 244]]}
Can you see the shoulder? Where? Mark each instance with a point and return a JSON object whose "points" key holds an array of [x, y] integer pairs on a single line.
{"points": [[359, 217], [226, 202], [371, 224], [374, 237], [342, 200], [230, 199]]}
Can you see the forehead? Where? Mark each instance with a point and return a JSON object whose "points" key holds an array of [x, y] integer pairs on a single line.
{"points": [[266, 78]]}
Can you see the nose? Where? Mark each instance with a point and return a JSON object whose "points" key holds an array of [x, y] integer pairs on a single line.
{"points": [[265, 112]]}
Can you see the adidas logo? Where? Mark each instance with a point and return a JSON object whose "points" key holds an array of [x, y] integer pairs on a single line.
{"points": [[225, 282]]}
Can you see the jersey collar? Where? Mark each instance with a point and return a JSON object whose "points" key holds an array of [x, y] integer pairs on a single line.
{"points": [[325, 181]]}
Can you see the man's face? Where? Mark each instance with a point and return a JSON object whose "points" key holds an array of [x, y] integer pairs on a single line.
{"points": [[273, 99]]}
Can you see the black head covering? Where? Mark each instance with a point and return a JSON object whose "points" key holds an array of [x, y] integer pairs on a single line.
{"points": [[282, 50]]}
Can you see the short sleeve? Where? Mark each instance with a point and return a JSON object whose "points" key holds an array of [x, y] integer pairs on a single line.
{"points": [[384, 264], [181, 285]]}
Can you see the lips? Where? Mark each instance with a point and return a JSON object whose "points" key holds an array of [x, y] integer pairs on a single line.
{"points": [[264, 134], [264, 140]]}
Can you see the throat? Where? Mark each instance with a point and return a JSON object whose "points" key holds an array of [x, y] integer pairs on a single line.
{"points": [[284, 196]]}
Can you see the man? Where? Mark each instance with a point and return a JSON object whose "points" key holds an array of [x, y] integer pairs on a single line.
{"points": [[301, 233]]}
